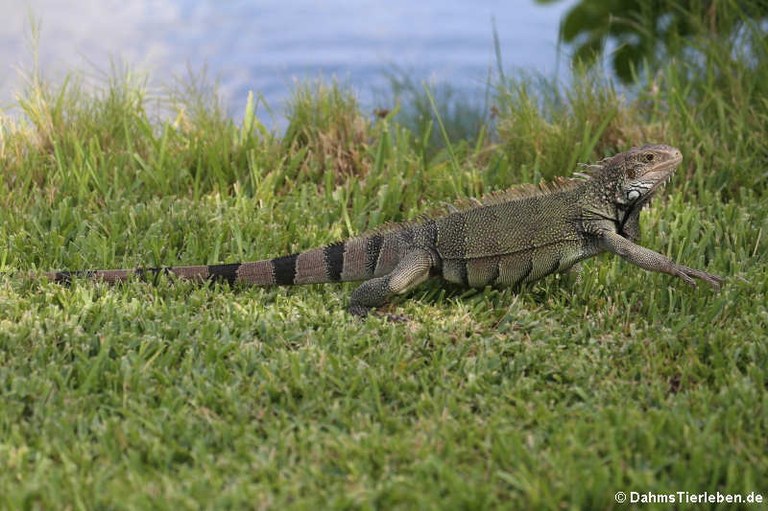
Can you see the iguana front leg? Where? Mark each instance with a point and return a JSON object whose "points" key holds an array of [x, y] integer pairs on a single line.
{"points": [[653, 261], [413, 269]]}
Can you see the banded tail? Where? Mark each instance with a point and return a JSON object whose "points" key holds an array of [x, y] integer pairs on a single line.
{"points": [[355, 259]]}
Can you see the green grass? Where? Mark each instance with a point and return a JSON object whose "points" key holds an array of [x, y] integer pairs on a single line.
{"points": [[555, 396]]}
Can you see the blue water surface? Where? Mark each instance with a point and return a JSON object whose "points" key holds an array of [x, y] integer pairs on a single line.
{"points": [[267, 46]]}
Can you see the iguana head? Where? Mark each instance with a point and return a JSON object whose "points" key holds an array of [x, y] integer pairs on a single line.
{"points": [[619, 187], [639, 172]]}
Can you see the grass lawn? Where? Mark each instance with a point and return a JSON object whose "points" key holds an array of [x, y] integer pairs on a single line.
{"points": [[554, 396]]}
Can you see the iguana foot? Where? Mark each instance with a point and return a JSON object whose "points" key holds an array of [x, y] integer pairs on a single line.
{"points": [[688, 274], [359, 311], [395, 318], [362, 312]]}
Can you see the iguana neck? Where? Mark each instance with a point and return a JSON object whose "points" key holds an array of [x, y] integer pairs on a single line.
{"points": [[598, 208]]}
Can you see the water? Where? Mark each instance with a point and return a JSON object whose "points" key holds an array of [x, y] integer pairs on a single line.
{"points": [[268, 45]]}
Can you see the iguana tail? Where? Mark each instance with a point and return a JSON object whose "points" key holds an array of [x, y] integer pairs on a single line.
{"points": [[355, 259]]}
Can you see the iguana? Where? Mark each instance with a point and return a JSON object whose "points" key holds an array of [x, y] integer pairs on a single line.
{"points": [[505, 239]]}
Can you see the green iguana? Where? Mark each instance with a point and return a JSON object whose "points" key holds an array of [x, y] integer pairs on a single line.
{"points": [[508, 238]]}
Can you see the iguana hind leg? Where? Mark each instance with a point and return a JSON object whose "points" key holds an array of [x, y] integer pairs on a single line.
{"points": [[413, 269]]}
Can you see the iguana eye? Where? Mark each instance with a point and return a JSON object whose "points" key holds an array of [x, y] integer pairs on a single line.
{"points": [[649, 157], [633, 194]]}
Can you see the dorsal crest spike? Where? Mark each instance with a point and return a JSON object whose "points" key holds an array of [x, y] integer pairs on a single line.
{"points": [[518, 192]]}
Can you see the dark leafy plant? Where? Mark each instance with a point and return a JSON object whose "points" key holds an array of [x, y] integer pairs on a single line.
{"points": [[645, 32]]}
